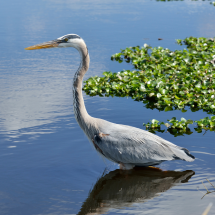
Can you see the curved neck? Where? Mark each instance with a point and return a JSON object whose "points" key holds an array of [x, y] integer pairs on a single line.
{"points": [[80, 111]]}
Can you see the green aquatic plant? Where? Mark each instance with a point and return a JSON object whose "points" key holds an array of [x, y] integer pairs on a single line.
{"points": [[154, 124], [179, 131], [163, 79], [174, 123], [205, 124], [180, 124], [178, 128]]}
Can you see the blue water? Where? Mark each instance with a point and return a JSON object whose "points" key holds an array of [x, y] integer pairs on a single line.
{"points": [[47, 164]]}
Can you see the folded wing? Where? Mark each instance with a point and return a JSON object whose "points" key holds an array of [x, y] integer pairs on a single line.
{"points": [[126, 144]]}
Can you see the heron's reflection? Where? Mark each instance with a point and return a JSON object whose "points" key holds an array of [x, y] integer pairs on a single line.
{"points": [[119, 189]]}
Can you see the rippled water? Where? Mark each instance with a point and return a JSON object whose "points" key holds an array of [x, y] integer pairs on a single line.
{"points": [[47, 164]]}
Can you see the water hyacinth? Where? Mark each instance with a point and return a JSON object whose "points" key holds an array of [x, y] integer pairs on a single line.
{"points": [[179, 128], [164, 79], [176, 128]]}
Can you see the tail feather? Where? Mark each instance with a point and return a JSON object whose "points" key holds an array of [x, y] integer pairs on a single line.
{"points": [[183, 154], [188, 153]]}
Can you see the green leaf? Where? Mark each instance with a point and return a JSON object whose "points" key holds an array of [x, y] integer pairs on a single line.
{"points": [[212, 124], [154, 121], [183, 111], [167, 125], [168, 109], [159, 95], [183, 119], [189, 121], [177, 97], [142, 87]]}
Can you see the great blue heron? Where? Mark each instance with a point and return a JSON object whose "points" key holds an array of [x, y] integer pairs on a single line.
{"points": [[122, 144]]}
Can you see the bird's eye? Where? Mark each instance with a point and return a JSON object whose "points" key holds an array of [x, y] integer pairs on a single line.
{"points": [[66, 39]]}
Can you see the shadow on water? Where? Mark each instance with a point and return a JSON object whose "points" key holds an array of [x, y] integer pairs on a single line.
{"points": [[119, 189]]}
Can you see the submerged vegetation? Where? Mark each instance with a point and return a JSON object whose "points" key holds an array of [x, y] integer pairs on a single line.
{"points": [[163, 79]]}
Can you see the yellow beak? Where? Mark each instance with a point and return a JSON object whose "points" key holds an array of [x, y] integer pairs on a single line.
{"points": [[49, 44]]}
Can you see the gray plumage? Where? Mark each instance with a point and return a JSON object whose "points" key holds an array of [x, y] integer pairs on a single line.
{"points": [[122, 144]]}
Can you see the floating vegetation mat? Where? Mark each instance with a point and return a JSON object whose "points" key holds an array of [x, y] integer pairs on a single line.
{"points": [[163, 79]]}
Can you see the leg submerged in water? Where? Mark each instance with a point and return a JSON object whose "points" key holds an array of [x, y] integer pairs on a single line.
{"points": [[126, 166]]}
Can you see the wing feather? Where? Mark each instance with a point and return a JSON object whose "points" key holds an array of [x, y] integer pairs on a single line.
{"points": [[126, 144]]}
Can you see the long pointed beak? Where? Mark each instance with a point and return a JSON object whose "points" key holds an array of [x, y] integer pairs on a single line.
{"points": [[49, 44]]}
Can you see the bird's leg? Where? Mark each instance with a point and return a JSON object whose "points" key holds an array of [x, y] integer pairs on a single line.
{"points": [[126, 166], [154, 167]]}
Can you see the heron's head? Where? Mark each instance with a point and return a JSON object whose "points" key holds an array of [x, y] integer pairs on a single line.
{"points": [[69, 40]]}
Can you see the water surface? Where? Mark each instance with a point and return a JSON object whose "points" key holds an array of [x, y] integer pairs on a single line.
{"points": [[47, 164]]}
